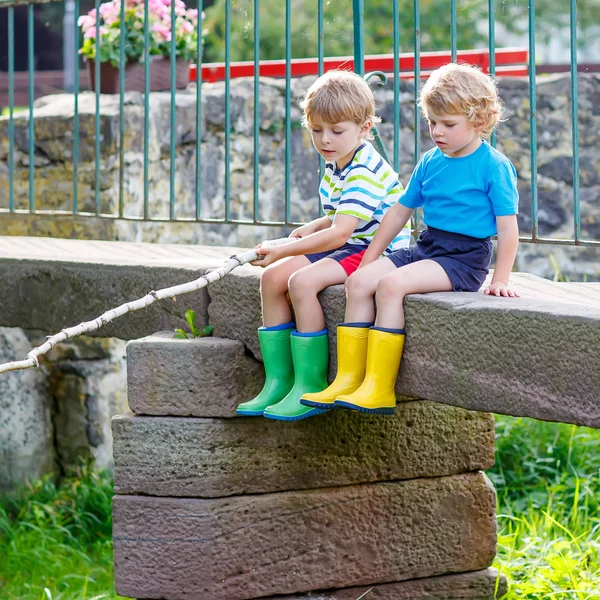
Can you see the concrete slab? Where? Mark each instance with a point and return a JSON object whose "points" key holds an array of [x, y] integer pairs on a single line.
{"points": [[535, 356], [203, 377], [479, 585], [253, 546], [170, 456]]}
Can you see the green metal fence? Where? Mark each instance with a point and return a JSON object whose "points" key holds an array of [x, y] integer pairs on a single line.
{"points": [[10, 204]]}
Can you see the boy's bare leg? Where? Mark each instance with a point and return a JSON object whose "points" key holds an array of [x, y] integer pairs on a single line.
{"points": [[360, 290], [274, 288], [305, 284], [417, 278]]}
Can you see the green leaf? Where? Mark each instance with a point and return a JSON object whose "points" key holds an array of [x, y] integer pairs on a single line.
{"points": [[180, 334], [206, 331], [190, 317]]}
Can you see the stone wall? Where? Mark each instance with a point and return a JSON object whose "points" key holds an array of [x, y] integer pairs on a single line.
{"points": [[53, 417], [54, 164]]}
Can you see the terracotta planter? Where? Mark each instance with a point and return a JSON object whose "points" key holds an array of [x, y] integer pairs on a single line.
{"points": [[160, 76]]}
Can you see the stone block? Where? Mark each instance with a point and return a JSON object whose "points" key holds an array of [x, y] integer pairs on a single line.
{"points": [[61, 294], [522, 357], [26, 431], [478, 585], [203, 377], [253, 546], [172, 456], [234, 308]]}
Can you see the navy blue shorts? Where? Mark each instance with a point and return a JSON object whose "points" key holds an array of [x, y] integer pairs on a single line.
{"points": [[349, 256], [465, 259]]}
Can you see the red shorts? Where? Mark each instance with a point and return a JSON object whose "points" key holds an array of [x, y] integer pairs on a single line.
{"points": [[349, 256]]}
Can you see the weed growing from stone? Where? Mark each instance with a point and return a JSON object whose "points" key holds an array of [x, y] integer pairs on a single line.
{"points": [[190, 317]]}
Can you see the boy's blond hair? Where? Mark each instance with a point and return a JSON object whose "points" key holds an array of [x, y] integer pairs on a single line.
{"points": [[463, 89], [339, 96]]}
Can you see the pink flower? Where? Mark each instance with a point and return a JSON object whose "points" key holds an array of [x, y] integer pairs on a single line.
{"points": [[109, 11], [186, 27], [162, 31], [85, 22], [92, 32]]}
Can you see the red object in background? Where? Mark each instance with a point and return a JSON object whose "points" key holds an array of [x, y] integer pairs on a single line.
{"points": [[509, 62]]}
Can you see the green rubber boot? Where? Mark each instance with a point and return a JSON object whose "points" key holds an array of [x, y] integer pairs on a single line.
{"points": [[310, 354], [277, 358]]}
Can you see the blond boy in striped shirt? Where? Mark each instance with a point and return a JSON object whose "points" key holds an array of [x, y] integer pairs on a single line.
{"points": [[356, 191]]}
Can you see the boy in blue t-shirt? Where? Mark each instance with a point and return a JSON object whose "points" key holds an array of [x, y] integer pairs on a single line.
{"points": [[357, 190], [468, 191]]}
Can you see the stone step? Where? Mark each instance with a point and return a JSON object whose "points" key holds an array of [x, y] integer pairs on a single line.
{"points": [[247, 547], [203, 377], [478, 585], [173, 456]]}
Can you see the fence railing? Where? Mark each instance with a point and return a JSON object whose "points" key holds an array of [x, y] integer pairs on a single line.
{"points": [[19, 201]]}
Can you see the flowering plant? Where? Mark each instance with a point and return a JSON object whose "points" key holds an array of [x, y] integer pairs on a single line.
{"points": [[107, 26]]}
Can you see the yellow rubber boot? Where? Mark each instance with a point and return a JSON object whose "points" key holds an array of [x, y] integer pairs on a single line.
{"points": [[351, 363], [376, 394]]}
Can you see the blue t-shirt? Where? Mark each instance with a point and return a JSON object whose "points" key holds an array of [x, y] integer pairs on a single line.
{"points": [[466, 194]]}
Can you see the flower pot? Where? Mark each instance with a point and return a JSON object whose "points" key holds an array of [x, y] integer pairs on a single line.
{"points": [[160, 76]]}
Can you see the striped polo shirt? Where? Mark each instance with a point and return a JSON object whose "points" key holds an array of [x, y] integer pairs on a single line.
{"points": [[365, 188]]}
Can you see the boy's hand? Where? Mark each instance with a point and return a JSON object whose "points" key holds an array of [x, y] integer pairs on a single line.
{"points": [[303, 231], [497, 288], [271, 255]]}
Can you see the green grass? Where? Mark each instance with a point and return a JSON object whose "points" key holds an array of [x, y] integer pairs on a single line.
{"points": [[548, 481], [55, 541]]}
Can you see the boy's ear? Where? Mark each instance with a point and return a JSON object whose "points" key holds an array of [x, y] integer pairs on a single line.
{"points": [[366, 127]]}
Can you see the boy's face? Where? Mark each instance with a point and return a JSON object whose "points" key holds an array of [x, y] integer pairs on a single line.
{"points": [[337, 142], [454, 135]]}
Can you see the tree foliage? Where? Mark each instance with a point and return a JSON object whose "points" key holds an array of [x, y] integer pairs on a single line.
{"points": [[472, 25]]}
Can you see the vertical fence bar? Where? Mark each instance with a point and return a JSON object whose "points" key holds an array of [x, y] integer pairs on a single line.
{"points": [[417, 73], [76, 108], [453, 30], [122, 111], [173, 116], [575, 120], [492, 47], [227, 108], [533, 123], [358, 7], [146, 105], [416, 218], [396, 33], [97, 114], [256, 106], [320, 61], [31, 65], [199, 114], [11, 104], [288, 106]]}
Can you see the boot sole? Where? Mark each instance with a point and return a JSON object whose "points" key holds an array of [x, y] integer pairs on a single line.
{"points": [[249, 413], [310, 413], [362, 409], [313, 404]]}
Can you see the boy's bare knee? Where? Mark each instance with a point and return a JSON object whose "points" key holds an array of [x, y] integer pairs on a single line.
{"points": [[299, 285], [272, 280], [355, 284], [390, 287]]}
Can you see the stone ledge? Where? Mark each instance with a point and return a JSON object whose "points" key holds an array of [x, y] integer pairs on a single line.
{"points": [[478, 585], [170, 456], [205, 377], [253, 546], [535, 356]]}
